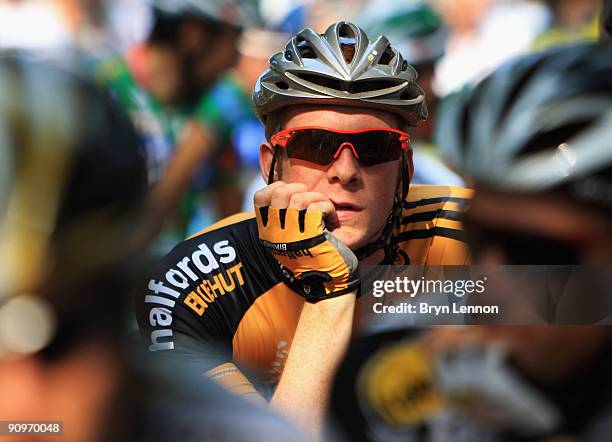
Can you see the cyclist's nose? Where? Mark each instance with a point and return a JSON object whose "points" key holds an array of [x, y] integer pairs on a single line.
{"points": [[345, 166], [346, 145]]}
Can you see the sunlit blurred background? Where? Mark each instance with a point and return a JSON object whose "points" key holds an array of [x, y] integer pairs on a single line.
{"points": [[451, 43], [185, 81]]}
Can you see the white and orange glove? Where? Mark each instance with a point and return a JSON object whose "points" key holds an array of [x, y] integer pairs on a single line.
{"points": [[313, 261]]}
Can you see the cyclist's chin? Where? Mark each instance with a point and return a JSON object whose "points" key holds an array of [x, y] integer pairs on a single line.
{"points": [[352, 236]]}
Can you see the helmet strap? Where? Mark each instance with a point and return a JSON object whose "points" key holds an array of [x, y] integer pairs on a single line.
{"points": [[272, 165]]}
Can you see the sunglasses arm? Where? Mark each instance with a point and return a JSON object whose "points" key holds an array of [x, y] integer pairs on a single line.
{"points": [[275, 154]]}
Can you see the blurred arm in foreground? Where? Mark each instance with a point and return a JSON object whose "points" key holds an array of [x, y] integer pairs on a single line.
{"points": [[533, 138]]}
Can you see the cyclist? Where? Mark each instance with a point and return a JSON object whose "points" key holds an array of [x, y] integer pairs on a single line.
{"points": [[231, 299], [543, 154], [164, 85], [533, 137], [231, 101]]}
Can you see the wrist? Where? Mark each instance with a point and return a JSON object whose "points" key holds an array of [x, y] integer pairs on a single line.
{"points": [[334, 305]]}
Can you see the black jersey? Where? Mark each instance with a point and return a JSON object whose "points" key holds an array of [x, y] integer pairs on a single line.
{"points": [[219, 301]]}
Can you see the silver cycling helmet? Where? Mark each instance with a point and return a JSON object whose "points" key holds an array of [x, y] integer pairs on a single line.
{"points": [[539, 123], [342, 66]]}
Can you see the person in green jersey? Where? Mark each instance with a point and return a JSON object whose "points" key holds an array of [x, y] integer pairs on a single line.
{"points": [[163, 85]]}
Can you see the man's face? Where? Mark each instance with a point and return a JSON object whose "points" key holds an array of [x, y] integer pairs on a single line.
{"points": [[363, 196], [519, 229], [204, 57]]}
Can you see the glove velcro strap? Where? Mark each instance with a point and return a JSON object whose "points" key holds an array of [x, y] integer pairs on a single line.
{"points": [[311, 287]]}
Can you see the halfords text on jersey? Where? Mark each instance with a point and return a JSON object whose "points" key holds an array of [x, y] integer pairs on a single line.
{"points": [[197, 280]]}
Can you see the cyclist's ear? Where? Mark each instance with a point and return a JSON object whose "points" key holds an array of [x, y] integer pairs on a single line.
{"points": [[268, 161]]}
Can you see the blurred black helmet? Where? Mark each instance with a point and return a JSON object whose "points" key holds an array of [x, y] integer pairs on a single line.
{"points": [[72, 181]]}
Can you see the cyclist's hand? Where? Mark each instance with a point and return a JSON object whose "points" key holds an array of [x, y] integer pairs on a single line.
{"points": [[292, 226]]}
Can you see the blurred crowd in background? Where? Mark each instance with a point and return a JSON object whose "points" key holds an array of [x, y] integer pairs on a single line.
{"points": [[185, 81], [201, 135]]}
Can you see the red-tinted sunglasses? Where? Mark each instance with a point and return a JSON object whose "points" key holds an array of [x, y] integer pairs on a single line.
{"points": [[321, 145]]}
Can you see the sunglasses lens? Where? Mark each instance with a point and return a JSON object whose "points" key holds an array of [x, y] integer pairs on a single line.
{"points": [[377, 146], [319, 145], [314, 145]]}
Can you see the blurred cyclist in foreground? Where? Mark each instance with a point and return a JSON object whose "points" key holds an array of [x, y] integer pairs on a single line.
{"points": [[534, 139], [73, 182]]}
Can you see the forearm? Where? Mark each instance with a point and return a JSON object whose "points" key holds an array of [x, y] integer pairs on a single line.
{"points": [[320, 341], [194, 149]]}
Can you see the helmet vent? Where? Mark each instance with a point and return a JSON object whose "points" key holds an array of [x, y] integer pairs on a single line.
{"points": [[282, 85], [466, 131], [348, 41], [406, 95], [346, 31], [319, 80], [304, 48], [544, 140], [348, 51], [369, 86], [519, 87], [353, 88], [386, 56]]}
